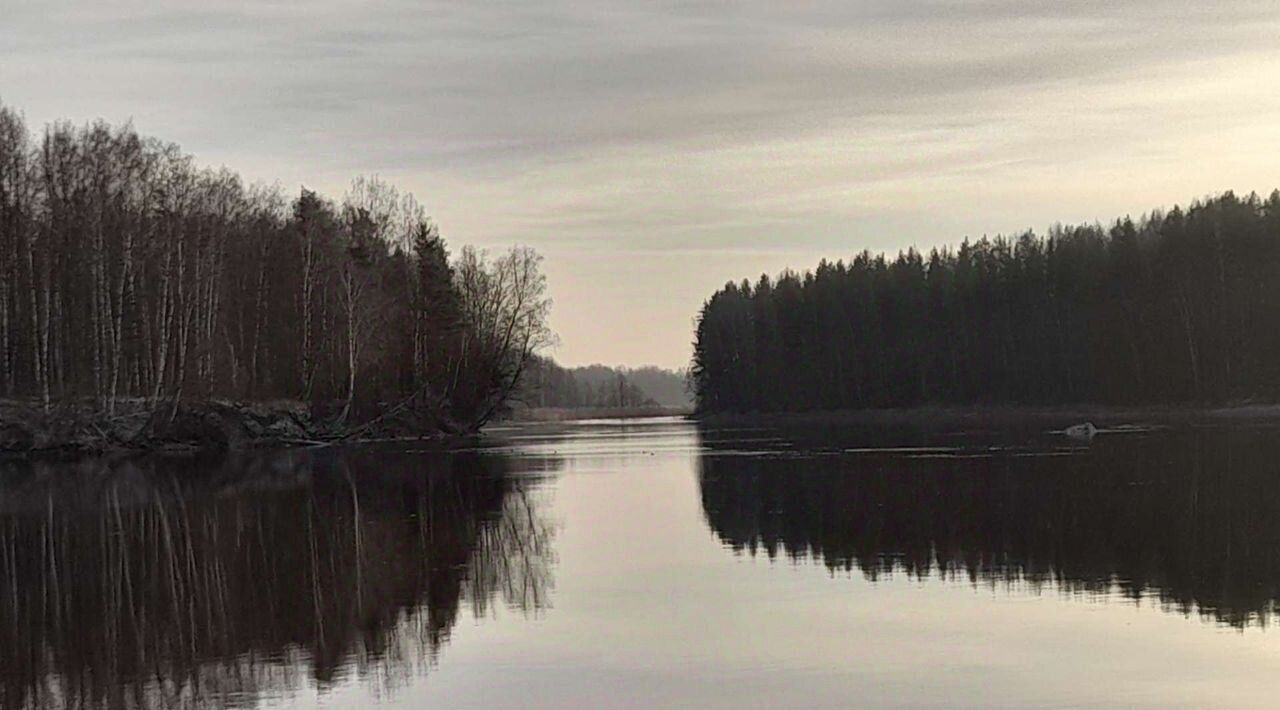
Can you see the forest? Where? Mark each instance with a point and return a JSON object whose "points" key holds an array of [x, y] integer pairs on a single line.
{"points": [[548, 384], [1178, 307], [132, 277]]}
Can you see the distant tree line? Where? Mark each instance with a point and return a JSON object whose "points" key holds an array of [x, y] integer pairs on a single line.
{"points": [[593, 387], [126, 271], [551, 385], [1178, 307], [669, 388]]}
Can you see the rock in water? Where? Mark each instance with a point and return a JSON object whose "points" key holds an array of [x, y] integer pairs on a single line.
{"points": [[1081, 432]]}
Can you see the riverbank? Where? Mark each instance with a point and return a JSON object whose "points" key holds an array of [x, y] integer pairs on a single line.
{"points": [[140, 425], [998, 416]]}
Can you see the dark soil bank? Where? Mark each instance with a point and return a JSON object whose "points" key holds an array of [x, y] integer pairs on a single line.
{"points": [[216, 425]]}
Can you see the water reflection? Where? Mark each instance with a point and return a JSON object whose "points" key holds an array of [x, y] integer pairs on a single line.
{"points": [[1188, 518], [184, 582]]}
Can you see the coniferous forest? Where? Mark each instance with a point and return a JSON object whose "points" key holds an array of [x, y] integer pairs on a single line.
{"points": [[130, 274], [1179, 307]]}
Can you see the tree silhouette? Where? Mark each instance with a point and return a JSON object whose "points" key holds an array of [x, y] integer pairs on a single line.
{"points": [[127, 273], [1171, 308]]}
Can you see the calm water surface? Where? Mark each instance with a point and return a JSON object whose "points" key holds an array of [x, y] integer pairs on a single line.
{"points": [[609, 564]]}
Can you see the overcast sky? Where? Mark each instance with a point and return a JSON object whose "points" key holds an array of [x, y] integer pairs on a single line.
{"points": [[652, 151]]}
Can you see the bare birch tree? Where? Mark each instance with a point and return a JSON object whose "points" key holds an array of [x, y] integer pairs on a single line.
{"points": [[127, 272]]}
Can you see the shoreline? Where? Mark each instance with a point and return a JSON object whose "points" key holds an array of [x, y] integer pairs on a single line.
{"points": [[997, 415], [137, 426]]}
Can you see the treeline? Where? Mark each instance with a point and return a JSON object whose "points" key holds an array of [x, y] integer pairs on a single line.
{"points": [[548, 384], [669, 388], [127, 271], [1178, 307]]}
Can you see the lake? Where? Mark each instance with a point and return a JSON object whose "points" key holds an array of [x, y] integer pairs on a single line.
{"points": [[650, 563]]}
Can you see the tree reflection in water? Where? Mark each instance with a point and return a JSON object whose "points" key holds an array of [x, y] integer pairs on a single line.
{"points": [[188, 582], [1188, 518]]}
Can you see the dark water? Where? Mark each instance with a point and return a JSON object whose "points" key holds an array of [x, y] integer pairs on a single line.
{"points": [[652, 564]]}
